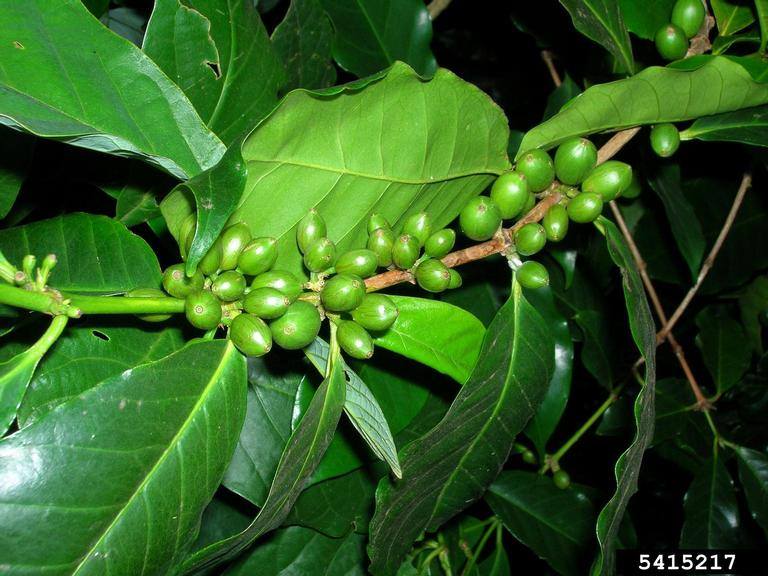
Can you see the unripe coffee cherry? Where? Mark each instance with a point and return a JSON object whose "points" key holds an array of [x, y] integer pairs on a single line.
{"points": [[480, 218], [250, 335], [405, 251], [229, 286], [609, 179], [555, 223], [267, 303], [212, 260], [310, 228], [298, 327], [537, 167], [354, 339], [529, 457], [419, 226], [361, 263], [149, 293], [281, 280], [342, 293], [433, 276], [233, 240], [258, 256], [561, 479], [440, 243], [377, 221], [456, 280], [320, 255], [377, 312], [532, 275], [178, 284], [574, 159], [187, 234], [203, 310], [671, 42], [530, 239], [585, 207], [634, 188], [689, 16], [381, 242], [529, 204], [665, 139], [510, 193]]}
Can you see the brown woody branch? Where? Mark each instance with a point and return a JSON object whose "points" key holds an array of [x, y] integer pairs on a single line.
{"points": [[436, 7], [548, 58]]}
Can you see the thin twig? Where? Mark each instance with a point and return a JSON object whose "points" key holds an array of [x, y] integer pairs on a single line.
{"points": [[616, 143], [548, 58], [436, 7]]}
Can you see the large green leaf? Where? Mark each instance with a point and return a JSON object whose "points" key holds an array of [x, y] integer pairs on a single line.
{"points": [[220, 56], [711, 510], [721, 339], [731, 16], [372, 34], [752, 301], [139, 454], [449, 467], [627, 467], [748, 126], [437, 334], [644, 18], [556, 524], [600, 20], [654, 95], [360, 157], [15, 157], [94, 89], [753, 473], [95, 253]]}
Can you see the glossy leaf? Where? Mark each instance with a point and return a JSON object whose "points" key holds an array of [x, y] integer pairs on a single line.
{"points": [[761, 7], [722, 44], [627, 467], [95, 90], [644, 18], [601, 21], [711, 510], [154, 438], [721, 340], [373, 34], [753, 473], [752, 302], [95, 253], [654, 95], [560, 96], [450, 466], [220, 56], [304, 41], [555, 524], [15, 157], [748, 126], [731, 16]]}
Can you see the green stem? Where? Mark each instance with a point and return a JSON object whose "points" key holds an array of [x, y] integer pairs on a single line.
{"points": [[126, 305], [481, 545], [29, 300], [50, 336]]}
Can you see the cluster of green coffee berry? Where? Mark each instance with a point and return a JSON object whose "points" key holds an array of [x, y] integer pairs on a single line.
{"points": [[672, 39]]}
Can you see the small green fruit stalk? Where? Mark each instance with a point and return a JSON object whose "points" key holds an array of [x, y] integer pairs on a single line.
{"points": [[149, 293], [536, 165], [405, 251], [376, 312], [258, 256], [433, 276], [203, 310], [381, 241], [440, 243], [609, 180], [320, 255], [574, 159], [310, 228], [233, 240], [354, 339], [511, 194], [361, 263], [178, 284], [480, 218], [298, 327], [250, 335], [229, 286], [343, 293], [419, 226], [665, 139], [267, 303], [281, 280]]}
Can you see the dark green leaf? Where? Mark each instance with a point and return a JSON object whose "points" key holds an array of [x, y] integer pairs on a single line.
{"points": [[95, 253], [372, 34], [449, 467], [731, 16], [556, 524], [89, 474], [681, 434], [761, 7], [748, 126], [753, 473], [126, 22], [600, 20], [721, 340], [95, 90], [497, 564], [599, 352], [752, 303], [560, 96], [96, 7], [644, 18], [222, 518], [136, 191], [15, 157], [723, 43]]}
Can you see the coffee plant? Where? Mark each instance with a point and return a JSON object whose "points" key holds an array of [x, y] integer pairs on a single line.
{"points": [[335, 287]]}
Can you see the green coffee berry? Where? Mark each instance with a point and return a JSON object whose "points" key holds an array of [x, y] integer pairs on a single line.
{"points": [[342, 293], [187, 234], [210, 263], [310, 228], [298, 327], [665, 139], [585, 207], [480, 218], [229, 286], [433, 276], [419, 226], [456, 280], [440, 243], [689, 16], [149, 293], [203, 310], [381, 242], [258, 256], [250, 335], [555, 223], [233, 240], [529, 457], [634, 188], [609, 179], [574, 159], [405, 251], [178, 284], [376, 312], [377, 221], [532, 275], [510, 191], [354, 339], [320, 255], [267, 303], [530, 239], [671, 42], [361, 263], [536, 165], [281, 280], [530, 202], [562, 479]]}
